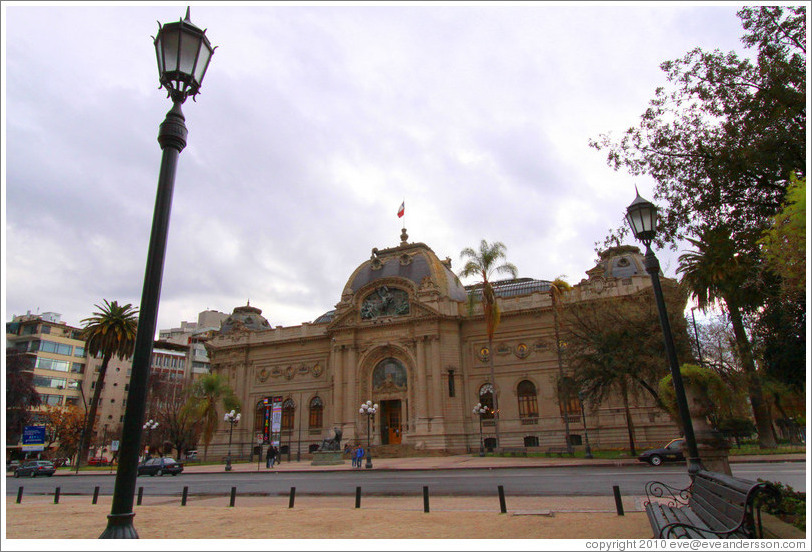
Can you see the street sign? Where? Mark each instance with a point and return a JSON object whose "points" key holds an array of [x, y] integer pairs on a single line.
{"points": [[114, 446], [260, 438], [34, 438]]}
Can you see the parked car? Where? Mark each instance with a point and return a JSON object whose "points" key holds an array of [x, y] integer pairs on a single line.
{"points": [[669, 453], [97, 461], [35, 468], [160, 466], [12, 465]]}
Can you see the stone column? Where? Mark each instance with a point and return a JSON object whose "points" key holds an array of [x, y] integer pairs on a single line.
{"points": [[337, 359], [436, 380], [420, 392], [351, 376]]}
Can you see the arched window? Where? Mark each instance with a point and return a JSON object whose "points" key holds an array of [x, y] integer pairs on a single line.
{"points": [[569, 403], [288, 410], [316, 413], [486, 399], [528, 404]]}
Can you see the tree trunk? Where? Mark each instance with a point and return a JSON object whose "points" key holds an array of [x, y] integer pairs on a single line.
{"points": [[491, 354], [91, 415], [766, 437], [629, 423]]}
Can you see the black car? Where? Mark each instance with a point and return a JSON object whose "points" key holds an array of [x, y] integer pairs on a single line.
{"points": [[160, 466], [669, 453], [35, 468]]}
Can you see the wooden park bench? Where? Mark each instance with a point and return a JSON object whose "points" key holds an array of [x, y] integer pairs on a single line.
{"points": [[715, 505]]}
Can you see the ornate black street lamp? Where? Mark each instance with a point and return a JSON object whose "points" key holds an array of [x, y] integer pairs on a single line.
{"points": [[481, 411], [642, 218], [183, 52], [587, 449], [149, 426], [368, 409], [231, 418]]}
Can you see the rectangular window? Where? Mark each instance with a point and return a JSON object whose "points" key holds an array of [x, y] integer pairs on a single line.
{"points": [[51, 364], [78, 351], [51, 400], [77, 368], [45, 329], [54, 383], [58, 348], [451, 384]]}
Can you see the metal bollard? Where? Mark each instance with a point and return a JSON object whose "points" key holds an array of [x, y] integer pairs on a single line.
{"points": [[358, 497], [502, 505], [618, 502], [292, 497], [425, 499], [95, 494], [233, 497], [140, 496], [56, 494], [20, 495], [185, 494]]}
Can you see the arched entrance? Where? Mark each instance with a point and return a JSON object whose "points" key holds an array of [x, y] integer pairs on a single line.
{"points": [[389, 387]]}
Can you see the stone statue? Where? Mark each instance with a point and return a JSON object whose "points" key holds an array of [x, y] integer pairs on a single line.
{"points": [[333, 444]]}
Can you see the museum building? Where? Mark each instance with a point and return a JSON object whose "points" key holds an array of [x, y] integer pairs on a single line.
{"points": [[404, 337]]}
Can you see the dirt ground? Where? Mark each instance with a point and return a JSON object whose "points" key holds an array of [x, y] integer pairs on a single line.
{"points": [[333, 518]]}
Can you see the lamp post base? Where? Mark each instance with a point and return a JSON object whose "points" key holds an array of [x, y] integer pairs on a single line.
{"points": [[120, 526], [588, 453], [228, 463], [368, 465]]}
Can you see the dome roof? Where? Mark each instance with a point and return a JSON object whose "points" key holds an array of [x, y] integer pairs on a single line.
{"points": [[245, 318], [412, 261], [623, 261]]}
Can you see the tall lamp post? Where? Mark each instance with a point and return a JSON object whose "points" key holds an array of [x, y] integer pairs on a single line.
{"points": [[696, 333], [232, 418], [183, 52], [480, 411], [642, 218], [149, 426], [587, 449], [368, 409]]}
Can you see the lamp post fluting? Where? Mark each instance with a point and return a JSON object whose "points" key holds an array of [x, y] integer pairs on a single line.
{"points": [[231, 418], [368, 409], [481, 411], [642, 218], [587, 449], [183, 53], [149, 426]]}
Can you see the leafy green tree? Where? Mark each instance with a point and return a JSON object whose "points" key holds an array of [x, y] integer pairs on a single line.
{"points": [[722, 140], [21, 395], [63, 426], [109, 332], [207, 394], [716, 272], [783, 245], [168, 406], [615, 347], [484, 264], [780, 339]]}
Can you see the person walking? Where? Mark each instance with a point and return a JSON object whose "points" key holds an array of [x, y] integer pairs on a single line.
{"points": [[359, 455], [274, 455], [268, 457]]}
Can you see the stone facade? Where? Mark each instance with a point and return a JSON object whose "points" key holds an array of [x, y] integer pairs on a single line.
{"points": [[404, 337]]}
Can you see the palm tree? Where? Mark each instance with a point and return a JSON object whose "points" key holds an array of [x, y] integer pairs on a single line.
{"points": [[484, 264], [716, 272], [207, 394], [109, 332], [558, 286]]}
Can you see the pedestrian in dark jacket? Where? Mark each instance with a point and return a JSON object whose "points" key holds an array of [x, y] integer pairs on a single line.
{"points": [[268, 457]]}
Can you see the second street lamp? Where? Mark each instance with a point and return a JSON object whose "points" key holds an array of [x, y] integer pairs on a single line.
{"points": [[231, 418], [149, 426], [587, 449], [642, 218], [481, 411], [368, 409], [183, 53]]}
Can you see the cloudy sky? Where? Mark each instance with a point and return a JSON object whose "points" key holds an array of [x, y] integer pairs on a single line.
{"points": [[314, 123]]}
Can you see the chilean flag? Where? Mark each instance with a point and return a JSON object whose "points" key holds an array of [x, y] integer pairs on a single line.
{"points": [[401, 209]]}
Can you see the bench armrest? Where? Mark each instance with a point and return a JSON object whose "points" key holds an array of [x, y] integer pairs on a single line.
{"points": [[675, 497]]}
